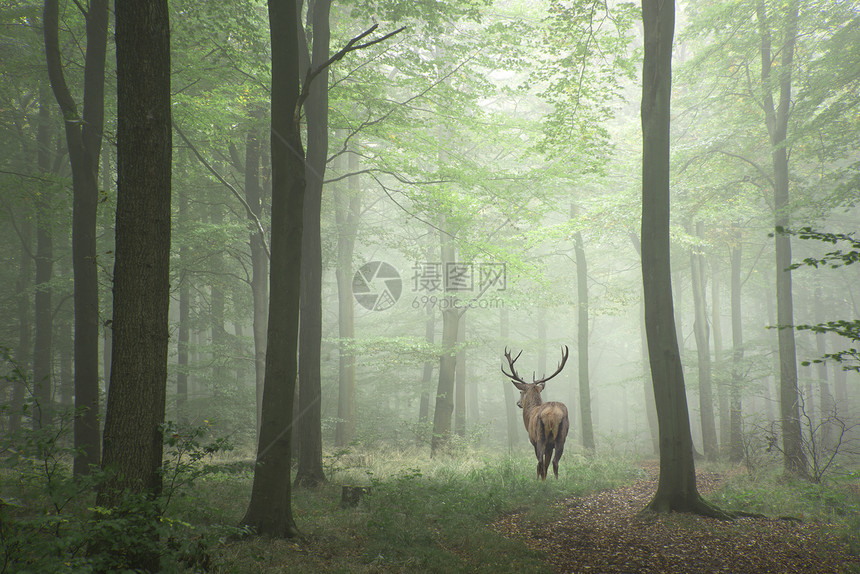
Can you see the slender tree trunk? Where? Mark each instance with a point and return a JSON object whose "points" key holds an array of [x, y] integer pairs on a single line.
{"points": [[310, 470], [703, 348], [827, 406], [735, 416], [347, 214], [510, 395], [67, 378], [259, 258], [676, 489], [24, 350], [427, 375], [721, 382], [184, 335], [84, 139], [448, 358], [133, 441], [582, 343], [647, 386], [44, 312], [460, 382], [270, 509], [217, 305], [776, 118]]}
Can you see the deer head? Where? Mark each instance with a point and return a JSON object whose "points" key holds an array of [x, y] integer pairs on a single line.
{"points": [[533, 389]]}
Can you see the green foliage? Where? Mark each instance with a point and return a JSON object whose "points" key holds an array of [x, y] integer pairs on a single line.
{"points": [[423, 515], [48, 520]]}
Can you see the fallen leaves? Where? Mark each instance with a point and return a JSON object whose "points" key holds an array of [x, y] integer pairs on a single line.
{"points": [[606, 533]]}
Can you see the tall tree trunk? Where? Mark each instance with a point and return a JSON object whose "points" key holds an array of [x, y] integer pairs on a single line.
{"points": [[217, 304], [703, 348], [67, 378], [647, 386], [582, 343], [184, 335], [427, 374], [270, 509], [310, 470], [510, 396], [776, 118], [133, 441], [735, 416], [84, 139], [717, 328], [347, 215], [448, 358], [44, 313], [24, 349], [676, 489], [827, 406], [259, 258], [460, 382]]}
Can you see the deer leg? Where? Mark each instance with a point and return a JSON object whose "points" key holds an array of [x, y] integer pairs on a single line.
{"points": [[559, 446], [547, 457]]}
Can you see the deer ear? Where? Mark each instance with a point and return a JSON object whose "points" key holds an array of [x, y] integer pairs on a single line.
{"points": [[519, 385], [540, 386]]}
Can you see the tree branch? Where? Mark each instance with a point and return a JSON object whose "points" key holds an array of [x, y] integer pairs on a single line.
{"points": [[351, 46], [235, 192]]}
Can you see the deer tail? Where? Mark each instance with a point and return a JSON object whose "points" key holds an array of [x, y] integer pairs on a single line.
{"points": [[550, 424]]}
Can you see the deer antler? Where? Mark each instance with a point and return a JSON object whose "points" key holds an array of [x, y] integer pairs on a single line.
{"points": [[564, 354], [513, 374]]}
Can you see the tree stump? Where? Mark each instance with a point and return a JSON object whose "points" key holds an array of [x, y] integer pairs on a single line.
{"points": [[350, 496]]}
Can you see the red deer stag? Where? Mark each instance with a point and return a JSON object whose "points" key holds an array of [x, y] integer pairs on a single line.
{"points": [[547, 423]]}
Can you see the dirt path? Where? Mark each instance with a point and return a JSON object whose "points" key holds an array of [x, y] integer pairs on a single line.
{"points": [[605, 533]]}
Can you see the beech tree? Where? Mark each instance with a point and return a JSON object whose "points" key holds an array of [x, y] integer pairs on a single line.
{"points": [[676, 489], [270, 509], [84, 140], [133, 441]]}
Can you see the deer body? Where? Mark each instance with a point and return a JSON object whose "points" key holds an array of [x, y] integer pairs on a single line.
{"points": [[546, 423]]}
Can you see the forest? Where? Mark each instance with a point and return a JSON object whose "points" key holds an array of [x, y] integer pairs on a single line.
{"points": [[274, 275]]}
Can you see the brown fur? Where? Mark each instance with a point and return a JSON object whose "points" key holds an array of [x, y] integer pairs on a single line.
{"points": [[547, 425]]}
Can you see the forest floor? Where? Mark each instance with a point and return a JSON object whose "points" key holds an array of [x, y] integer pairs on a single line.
{"points": [[606, 532]]}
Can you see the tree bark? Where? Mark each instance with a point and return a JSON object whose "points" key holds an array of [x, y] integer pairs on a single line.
{"points": [[735, 415], [647, 386], [510, 395], [676, 489], [310, 470], [270, 509], [460, 382], [84, 139], [347, 216], [259, 259], [582, 343], [447, 359], [44, 312], [24, 349], [133, 441], [184, 334], [776, 118], [721, 382], [703, 353]]}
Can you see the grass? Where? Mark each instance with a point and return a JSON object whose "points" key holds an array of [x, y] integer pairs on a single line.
{"points": [[427, 515], [834, 501]]}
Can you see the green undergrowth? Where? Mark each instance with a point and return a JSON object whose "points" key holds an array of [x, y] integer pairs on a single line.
{"points": [[835, 501], [420, 515]]}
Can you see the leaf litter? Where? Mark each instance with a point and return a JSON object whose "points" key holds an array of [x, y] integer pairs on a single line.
{"points": [[607, 533]]}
